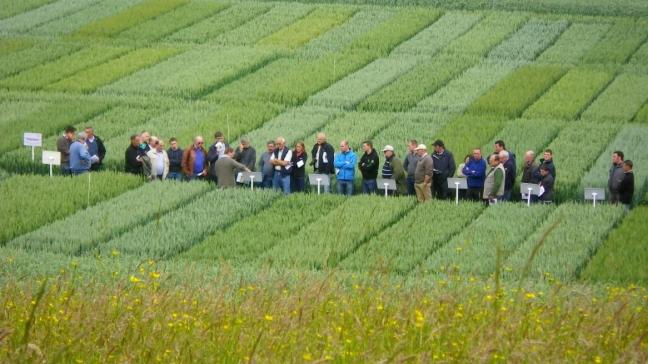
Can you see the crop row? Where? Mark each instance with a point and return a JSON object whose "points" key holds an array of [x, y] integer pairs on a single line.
{"points": [[250, 237], [421, 81], [219, 23], [92, 78], [193, 73], [405, 244], [40, 15], [621, 100], [528, 42], [474, 251], [354, 88], [34, 56], [573, 234], [327, 241], [11, 8], [430, 40], [619, 43], [109, 219], [511, 96], [32, 201], [309, 27], [113, 25], [48, 120], [570, 95], [622, 257], [574, 43], [181, 228], [170, 22], [459, 93], [44, 74], [631, 140], [73, 22], [251, 32]]}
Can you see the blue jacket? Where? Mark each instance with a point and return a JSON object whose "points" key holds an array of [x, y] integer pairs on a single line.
{"points": [[79, 157], [345, 165], [475, 172]]}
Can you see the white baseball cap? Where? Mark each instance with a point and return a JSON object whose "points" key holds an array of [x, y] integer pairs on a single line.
{"points": [[421, 146], [388, 148]]}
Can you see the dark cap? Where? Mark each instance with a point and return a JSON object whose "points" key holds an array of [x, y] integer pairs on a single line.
{"points": [[438, 143]]}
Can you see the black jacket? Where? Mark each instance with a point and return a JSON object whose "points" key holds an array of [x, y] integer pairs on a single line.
{"points": [[132, 165], [175, 160], [548, 184], [550, 165], [101, 153], [444, 164], [530, 173], [323, 168], [510, 170], [626, 188], [369, 165], [298, 172]]}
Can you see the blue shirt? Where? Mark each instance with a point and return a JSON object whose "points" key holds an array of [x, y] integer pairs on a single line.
{"points": [[345, 165], [475, 172], [199, 161], [79, 157]]}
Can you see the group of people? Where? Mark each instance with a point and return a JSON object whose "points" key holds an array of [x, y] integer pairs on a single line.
{"points": [[80, 153], [419, 173]]}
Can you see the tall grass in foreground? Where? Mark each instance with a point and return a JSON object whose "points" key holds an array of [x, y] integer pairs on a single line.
{"points": [[325, 319]]}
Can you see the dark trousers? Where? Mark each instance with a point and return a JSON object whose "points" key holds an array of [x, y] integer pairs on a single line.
{"points": [[474, 194], [298, 184], [410, 186], [439, 186]]}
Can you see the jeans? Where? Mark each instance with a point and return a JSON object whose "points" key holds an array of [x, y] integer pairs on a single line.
{"points": [[266, 182], [76, 172], [507, 195], [439, 187], [298, 184], [65, 170], [369, 186], [345, 187], [280, 182], [410, 186], [176, 176]]}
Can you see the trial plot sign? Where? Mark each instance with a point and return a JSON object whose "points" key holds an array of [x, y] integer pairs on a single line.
{"points": [[53, 158], [32, 139]]}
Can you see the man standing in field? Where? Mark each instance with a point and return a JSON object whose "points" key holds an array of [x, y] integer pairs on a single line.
{"points": [[547, 161], [475, 172], [345, 169], [368, 166], [174, 154], [393, 169], [495, 181], [410, 165], [63, 146], [616, 176], [80, 159], [245, 154], [444, 167], [133, 156], [423, 174], [323, 155], [510, 171], [546, 185], [281, 160], [215, 151], [96, 149], [267, 170], [194, 160], [226, 169], [626, 187]]}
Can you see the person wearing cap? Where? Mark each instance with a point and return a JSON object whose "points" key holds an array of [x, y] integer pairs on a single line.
{"points": [[393, 169], [345, 168], [494, 181], [245, 154], [80, 159], [444, 167], [410, 165], [63, 146], [475, 172], [423, 174], [546, 185], [626, 187], [368, 166]]}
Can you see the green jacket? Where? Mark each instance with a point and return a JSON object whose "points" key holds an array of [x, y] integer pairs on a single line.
{"points": [[399, 176]]}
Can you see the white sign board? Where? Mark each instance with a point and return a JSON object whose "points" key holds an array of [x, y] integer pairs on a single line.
{"points": [[319, 179], [386, 183], [530, 189], [32, 139], [597, 194], [458, 183], [249, 177], [51, 157]]}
